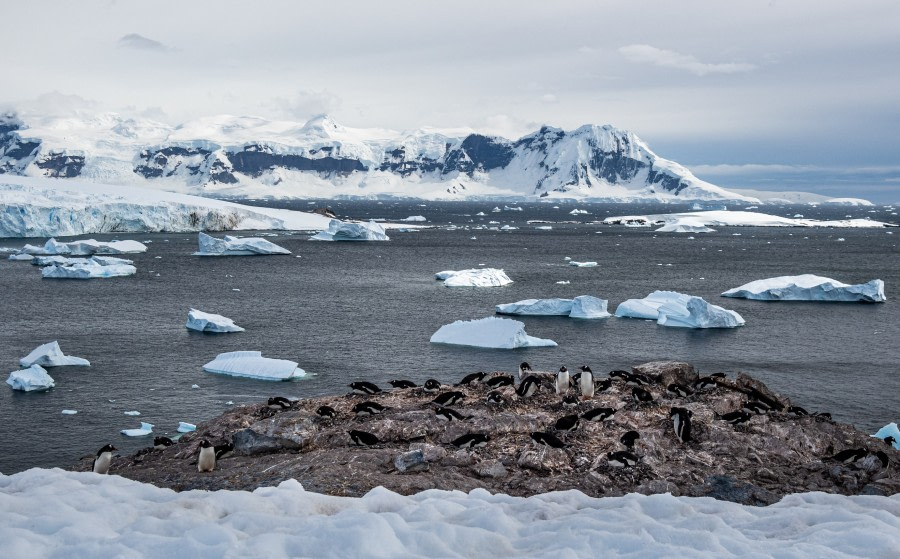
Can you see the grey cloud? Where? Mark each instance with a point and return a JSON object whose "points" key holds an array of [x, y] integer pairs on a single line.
{"points": [[139, 42]]}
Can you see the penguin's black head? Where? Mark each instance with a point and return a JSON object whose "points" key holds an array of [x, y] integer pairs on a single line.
{"points": [[106, 448], [585, 369], [525, 366], [205, 443], [563, 369], [890, 440]]}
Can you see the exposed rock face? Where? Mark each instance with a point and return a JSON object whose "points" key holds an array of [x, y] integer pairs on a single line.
{"points": [[756, 462]]}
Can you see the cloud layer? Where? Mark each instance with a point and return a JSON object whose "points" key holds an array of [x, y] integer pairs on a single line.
{"points": [[672, 59]]}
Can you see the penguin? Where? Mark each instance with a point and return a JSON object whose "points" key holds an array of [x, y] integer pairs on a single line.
{"points": [[223, 450], [402, 384], [562, 380], [449, 398], [889, 440], [326, 411], [883, 458], [471, 440], [637, 379], [494, 397], [368, 408], [603, 385], [628, 438], [547, 439], [103, 459], [574, 380], [446, 414], [566, 423], [586, 383], [497, 381], [678, 390], [528, 387], [704, 383], [620, 374], [641, 396], [736, 417], [524, 370], [207, 460], [757, 407], [823, 415], [431, 385], [160, 443], [718, 375], [363, 387], [798, 411], [362, 438], [621, 459], [598, 414], [681, 420], [851, 455], [570, 401], [279, 403], [473, 378]]}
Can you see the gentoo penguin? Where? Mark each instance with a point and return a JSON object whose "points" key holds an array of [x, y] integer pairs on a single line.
{"points": [[736, 417], [567, 423], [641, 396], [598, 414], [472, 378], [757, 407], [368, 408], [704, 383], [431, 385], [620, 374], [823, 415], [497, 381], [279, 403], [326, 411], [718, 375], [547, 439], [363, 387], [223, 450], [628, 438], [570, 401], [621, 459], [446, 414], [574, 380], [883, 458], [681, 420], [207, 460], [851, 455], [637, 379], [449, 398], [471, 440], [362, 438], [160, 443], [586, 383], [103, 459], [401, 384], [798, 411], [494, 397], [678, 390], [524, 370], [889, 440], [562, 380], [528, 387], [603, 385]]}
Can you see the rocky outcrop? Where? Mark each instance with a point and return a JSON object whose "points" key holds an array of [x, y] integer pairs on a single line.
{"points": [[757, 462]]}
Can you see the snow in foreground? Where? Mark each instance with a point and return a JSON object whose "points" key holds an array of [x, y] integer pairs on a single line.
{"points": [[809, 287], [43, 512], [492, 332]]}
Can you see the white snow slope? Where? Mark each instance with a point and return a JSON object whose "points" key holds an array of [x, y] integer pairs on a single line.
{"points": [[720, 218], [53, 513]]}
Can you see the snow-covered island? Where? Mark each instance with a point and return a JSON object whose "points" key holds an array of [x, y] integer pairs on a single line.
{"points": [[252, 364], [208, 322], [809, 287], [491, 332], [474, 277], [670, 308], [584, 306], [725, 218], [236, 246]]}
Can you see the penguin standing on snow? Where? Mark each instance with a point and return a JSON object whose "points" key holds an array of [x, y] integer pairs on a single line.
{"points": [[681, 420], [586, 383], [207, 460], [562, 380], [103, 459]]}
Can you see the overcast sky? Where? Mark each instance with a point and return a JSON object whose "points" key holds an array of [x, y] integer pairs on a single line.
{"points": [[801, 95]]}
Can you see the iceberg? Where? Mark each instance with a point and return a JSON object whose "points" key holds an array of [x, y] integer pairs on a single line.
{"points": [[576, 211], [670, 308], [32, 379], [584, 306], [86, 247], [685, 225], [21, 257], [582, 264], [93, 267], [252, 364], [50, 355], [490, 332], [474, 277], [648, 307], [145, 429], [214, 323], [889, 430], [809, 287], [236, 246], [185, 427], [735, 218], [414, 218], [341, 231]]}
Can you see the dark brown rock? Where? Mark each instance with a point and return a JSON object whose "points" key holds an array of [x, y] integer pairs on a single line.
{"points": [[665, 373]]}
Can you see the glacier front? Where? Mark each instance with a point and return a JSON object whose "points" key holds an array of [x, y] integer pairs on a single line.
{"points": [[809, 287], [490, 332]]}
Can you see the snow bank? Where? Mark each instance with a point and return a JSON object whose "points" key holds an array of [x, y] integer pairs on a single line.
{"points": [[144, 430], [340, 231], [207, 322], [32, 379], [670, 308], [725, 218], [686, 225], [51, 355], [808, 287], [252, 364], [584, 306], [889, 430], [91, 515], [493, 332], [474, 277], [236, 246], [93, 267]]}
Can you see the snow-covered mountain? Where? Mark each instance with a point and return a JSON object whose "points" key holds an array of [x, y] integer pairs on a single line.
{"points": [[247, 156]]}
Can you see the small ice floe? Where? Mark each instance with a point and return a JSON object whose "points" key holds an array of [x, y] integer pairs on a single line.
{"points": [[584, 306], [474, 277], [213, 323], [841, 239], [50, 355], [481, 214], [195, 386], [508, 228], [492, 332], [89, 268], [342, 231], [32, 379], [496, 210], [185, 427], [809, 287], [69, 412], [414, 218], [252, 364], [21, 257], [544, 228], [576, 211], [229, 403], [589, 264], [670, 308], [144, 430], [512, 209], [133, 413], [563, 282], [236, 246], [889, 430]]}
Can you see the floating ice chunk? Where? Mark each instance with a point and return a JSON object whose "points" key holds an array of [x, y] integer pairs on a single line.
{"points": [[414, 218], [544, 227], [582, 264], [252, 364], [88, 269], [236, 246], [537, 307], [576, 211], [493, 332], [481, 214], [69, 412], [50, 355], [145, 429], [808, 287], [32, 379], [55, 260], [685, 225], [563, 282], [206, 322], [195, 386], [341, 231], [648, 307], [185, 427], [512, 209], [697, 313], [133, 413], [110, 260], [586, 306], [24, 257], [889, 430], [474, 277], [86, 247]]}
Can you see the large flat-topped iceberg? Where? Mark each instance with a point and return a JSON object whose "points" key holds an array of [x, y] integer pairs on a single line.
{"points": [[809, 287], [85, 247], [491, 332], [208, 322], [685, 225], [587, 306], [236, 246], [723, 218], [252, 364], [584, 306], [93, 267], [670, 308], [51, 355], [342, 231], [142, 431], [474, 277], [32, 379]]}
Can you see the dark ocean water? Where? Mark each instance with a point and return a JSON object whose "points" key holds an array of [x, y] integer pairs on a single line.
{"points": [[348, 311]]}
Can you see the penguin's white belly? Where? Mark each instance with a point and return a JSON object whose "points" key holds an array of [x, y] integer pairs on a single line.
{"points": [[207, 460]]}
